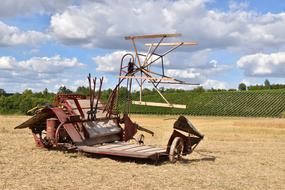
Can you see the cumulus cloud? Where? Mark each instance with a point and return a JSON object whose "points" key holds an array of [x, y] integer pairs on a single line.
{"points": [[249, 81], [54, 64], [37, 72], [7, 63], [192, 67], [51, 65], [109, 63], [233, 5], [198, 74], [103, 23], [12, 35], [263, 65], [186, 74], [208, 84], [97, 24], [197, 59], [11, 8]]}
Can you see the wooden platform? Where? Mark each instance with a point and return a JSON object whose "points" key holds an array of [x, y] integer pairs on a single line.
{"points": [[125, 150]]}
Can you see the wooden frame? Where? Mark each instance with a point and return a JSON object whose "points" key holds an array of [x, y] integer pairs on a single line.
{"points": [[158, 104], [152, 36], [147, 78], [171, 44], [142, 64]]}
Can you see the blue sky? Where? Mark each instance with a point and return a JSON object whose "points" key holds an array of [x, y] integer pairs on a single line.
{"points": [[46, 44]]}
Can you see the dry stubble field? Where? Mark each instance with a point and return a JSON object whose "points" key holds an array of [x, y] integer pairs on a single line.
{"points": [[236, 153]]}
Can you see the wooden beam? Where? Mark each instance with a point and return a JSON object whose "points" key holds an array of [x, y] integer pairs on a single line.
{"points": [[155, 73], [136, 51], [157, 104], [155, 87], [172, 44], [181, 83], [148, 78], [152, 36]]}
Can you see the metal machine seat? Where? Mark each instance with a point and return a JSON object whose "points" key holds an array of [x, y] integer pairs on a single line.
{"points": [[101, 128]]}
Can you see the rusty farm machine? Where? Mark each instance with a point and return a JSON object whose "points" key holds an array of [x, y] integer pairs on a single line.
{"points": [[86, 124]]}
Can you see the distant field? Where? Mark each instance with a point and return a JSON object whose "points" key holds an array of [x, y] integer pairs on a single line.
{"points": [[259, 103], [237, 153]]}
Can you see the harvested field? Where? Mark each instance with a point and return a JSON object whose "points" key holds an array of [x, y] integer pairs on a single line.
{"points": [[236, 153]]}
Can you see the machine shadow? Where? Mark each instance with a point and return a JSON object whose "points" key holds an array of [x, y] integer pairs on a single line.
{"points": [[142, 161], [207, 158], [161, 161]]}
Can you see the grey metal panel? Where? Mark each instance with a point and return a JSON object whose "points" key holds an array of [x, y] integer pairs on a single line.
{"points": [[151, 150], [101, 128], [109, 146], [117, 149], [125, 147]]}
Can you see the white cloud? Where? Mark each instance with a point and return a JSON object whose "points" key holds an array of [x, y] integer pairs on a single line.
{"points": [[38, 72], [97, 24], [38, 65], [249, 81], [233, 5], [54, 64], [198, 74], [109, 63], [263, 65], [193, 67], [186, 73], [80, 83], [11, 8], [6, 63], [208, 84], [104, 23], [182, 60], [12, 36]]}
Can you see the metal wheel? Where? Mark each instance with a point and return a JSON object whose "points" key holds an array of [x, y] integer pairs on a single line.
{"points": [[176, 149]]}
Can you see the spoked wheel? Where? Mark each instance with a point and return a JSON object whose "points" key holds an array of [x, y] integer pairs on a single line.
{"points": [[176, 149]]}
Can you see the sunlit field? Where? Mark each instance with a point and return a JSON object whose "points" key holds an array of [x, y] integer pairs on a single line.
{"points": [[236, 153]]}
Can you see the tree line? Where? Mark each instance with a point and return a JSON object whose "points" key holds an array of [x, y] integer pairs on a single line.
{"points": [[21, 103], [265, 86]]}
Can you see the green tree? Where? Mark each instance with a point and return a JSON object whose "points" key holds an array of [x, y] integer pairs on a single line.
{"points": [[162, 89], [27, 92], [26, 104], [242, 87], [45, 92], [105, 94], [83, 90], [64, 90], [267, 84], [2, 92], [146, 91], [199, 89]]}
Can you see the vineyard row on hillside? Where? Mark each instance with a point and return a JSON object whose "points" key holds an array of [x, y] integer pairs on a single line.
{"points": [[250, 103]]}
